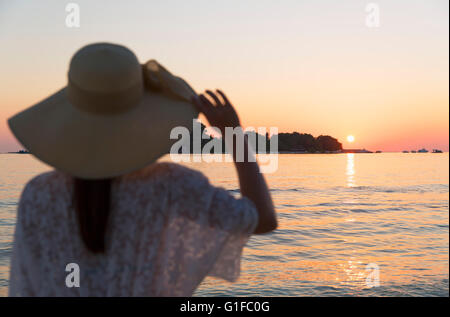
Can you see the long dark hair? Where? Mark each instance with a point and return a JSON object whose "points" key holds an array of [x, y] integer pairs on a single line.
{"points": [[92, 201]]}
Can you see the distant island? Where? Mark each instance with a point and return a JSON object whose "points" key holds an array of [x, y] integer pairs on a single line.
{"points": [[287, 142], [357, 151], [20, 152], [295, 142], [306, 143]]}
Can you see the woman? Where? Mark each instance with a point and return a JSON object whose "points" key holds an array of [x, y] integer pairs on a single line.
{"points": [[109, 220]]}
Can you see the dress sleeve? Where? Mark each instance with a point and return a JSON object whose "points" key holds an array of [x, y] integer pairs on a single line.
{"points": [[213, 224], [19, 277], [243, 218]]}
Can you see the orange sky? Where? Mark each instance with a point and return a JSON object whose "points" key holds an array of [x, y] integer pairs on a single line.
{"points": [[312, 67]]}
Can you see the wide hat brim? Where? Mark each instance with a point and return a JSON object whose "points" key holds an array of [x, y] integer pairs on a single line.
{"points": [[96, 146]]}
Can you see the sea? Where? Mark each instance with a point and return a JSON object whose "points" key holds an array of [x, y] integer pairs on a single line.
{"points": [[349, 225]]}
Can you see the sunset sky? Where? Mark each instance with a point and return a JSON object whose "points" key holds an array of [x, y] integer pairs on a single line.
{"points": [[306, 66]]}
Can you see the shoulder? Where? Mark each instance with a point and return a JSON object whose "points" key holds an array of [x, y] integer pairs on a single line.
{"points": [[40, 192], [44, 182], [185, 179], [178, 171]]}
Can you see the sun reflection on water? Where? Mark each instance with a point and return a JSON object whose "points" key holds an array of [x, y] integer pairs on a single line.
{"points": [[350, 169]]}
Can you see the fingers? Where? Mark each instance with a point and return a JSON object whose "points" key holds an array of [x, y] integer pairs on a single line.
{"points": [[201, 106], [205, 106], [208, 108], [205, 101], [225, 99], [214, 97]]}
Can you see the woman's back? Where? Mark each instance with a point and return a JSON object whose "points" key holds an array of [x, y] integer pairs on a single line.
{"points": [[155, 232], [168, 229]]}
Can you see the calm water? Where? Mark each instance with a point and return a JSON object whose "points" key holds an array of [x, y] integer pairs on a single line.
{"points": [[338, 213]]}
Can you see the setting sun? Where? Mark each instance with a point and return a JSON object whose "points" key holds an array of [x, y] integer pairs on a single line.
{"points": [[350, 138]]}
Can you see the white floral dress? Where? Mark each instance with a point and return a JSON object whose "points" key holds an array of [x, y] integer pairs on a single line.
{"points": [[169, 228]]}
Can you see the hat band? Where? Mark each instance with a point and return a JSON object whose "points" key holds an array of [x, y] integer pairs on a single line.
{"points": [[104, 103]]}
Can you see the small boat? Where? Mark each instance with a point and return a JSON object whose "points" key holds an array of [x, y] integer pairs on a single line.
{"points": [[437, 151], [20, 152], [405, 151], [423, 151], [413, 151], [378, 152]]}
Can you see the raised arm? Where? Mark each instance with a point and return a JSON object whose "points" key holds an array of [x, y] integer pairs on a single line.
{"points": [[221, 114]]}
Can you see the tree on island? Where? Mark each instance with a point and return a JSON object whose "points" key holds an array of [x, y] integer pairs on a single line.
{"points": [[307, 143], [328, 143]]}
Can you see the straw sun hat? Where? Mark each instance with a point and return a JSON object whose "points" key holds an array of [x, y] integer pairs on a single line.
{"points": [[113, 117]]}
